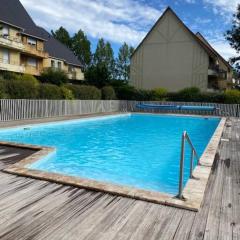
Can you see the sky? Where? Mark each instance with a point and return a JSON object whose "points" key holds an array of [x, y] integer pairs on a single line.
{"points": [[119, 21]]}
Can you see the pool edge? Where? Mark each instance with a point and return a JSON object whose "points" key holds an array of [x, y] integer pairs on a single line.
{"points": [[193, 191]]}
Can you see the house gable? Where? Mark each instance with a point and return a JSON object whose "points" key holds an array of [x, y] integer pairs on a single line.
{"points": [[170, 56]]}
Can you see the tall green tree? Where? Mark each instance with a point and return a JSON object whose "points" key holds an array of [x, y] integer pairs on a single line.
{"points": [[104, 56], [81, 47], [99, 57], [63, 36], [123, 62], [233, 36]]}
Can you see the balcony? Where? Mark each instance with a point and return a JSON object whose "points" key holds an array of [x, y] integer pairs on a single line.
{"points": [[9, 42], [31, 50], [31, 70], [72, 75], [215, 71], [11, 66]]}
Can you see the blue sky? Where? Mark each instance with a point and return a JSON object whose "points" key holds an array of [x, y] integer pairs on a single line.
{"points": [[128, 21]]}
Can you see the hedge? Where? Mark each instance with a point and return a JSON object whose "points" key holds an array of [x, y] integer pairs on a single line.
{"points": [[50, 91], [108, 93], [84, 92]]}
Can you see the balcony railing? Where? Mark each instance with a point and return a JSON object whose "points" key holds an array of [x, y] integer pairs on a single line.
{"points": [[32, 50], [11, 42], [214, 70], [12, 66], [32, 70]]}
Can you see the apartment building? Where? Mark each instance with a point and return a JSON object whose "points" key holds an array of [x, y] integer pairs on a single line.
{"points": [[173, 57], [28, 48]]}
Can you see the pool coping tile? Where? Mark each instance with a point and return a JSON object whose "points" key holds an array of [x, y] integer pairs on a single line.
{"points": [[193, 192]]}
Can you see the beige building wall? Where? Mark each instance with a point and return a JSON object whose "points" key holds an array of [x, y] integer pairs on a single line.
{"points": [[76, 73], [169, 57]]}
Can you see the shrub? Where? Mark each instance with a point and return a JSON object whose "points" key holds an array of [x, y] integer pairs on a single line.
{"points": [[50, 91], [159, 94], [232, 96], [191, 94], [54, 76], [9, 75], [108, 93], [85, 92], [126, 92], [3, 89], [23, 87], [67, 93]]}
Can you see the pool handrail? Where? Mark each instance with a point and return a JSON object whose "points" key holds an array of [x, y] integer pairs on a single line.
{"points": [[185, 137]]}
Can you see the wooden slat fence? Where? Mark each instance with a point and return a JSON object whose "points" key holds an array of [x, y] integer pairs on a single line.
{"points": [[11, 110], [224, 110], [20, 109]]}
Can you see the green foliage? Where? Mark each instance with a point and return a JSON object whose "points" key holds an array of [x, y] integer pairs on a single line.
{"points": [[50, 91], [232, 96], [22, 88], [54, 76], [126, 92], [191, 94], [84, 92], [98, 75], [9, 75], [108, 93], [104, 58], [3, 89], [81, 47], [159, 94], [63, 36], [67, 93], [233, 37], [123, 62]]}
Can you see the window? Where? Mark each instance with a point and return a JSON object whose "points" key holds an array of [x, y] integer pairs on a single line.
{"points": [[32, 41], [59, 65], [52, 63], [5, 31], [32, 62], [6, 58], [70, 69]]}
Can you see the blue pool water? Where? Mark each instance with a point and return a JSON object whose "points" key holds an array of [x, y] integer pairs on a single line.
{"points": [[139, 150]]}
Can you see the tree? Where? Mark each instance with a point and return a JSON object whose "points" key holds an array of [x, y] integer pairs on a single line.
{"points": [[233, 36], [104, 57], [63, 36], [123, 62], [81, 47], [98, 75]]}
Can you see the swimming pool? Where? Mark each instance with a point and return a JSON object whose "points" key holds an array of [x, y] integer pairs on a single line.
{"points": [[136, 150]]}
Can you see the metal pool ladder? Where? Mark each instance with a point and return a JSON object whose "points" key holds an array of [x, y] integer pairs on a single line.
{"points": [[185, 137]]}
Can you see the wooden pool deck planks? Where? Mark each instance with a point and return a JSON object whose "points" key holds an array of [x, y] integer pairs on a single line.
{"points": [[34, 209]]}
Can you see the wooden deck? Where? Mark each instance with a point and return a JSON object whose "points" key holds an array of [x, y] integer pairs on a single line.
{"points": [[34, 209]]}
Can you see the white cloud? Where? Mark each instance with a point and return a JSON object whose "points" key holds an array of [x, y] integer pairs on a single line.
{"points": [[117, 21], [225, 8], [190, 1], [223, 48]]}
